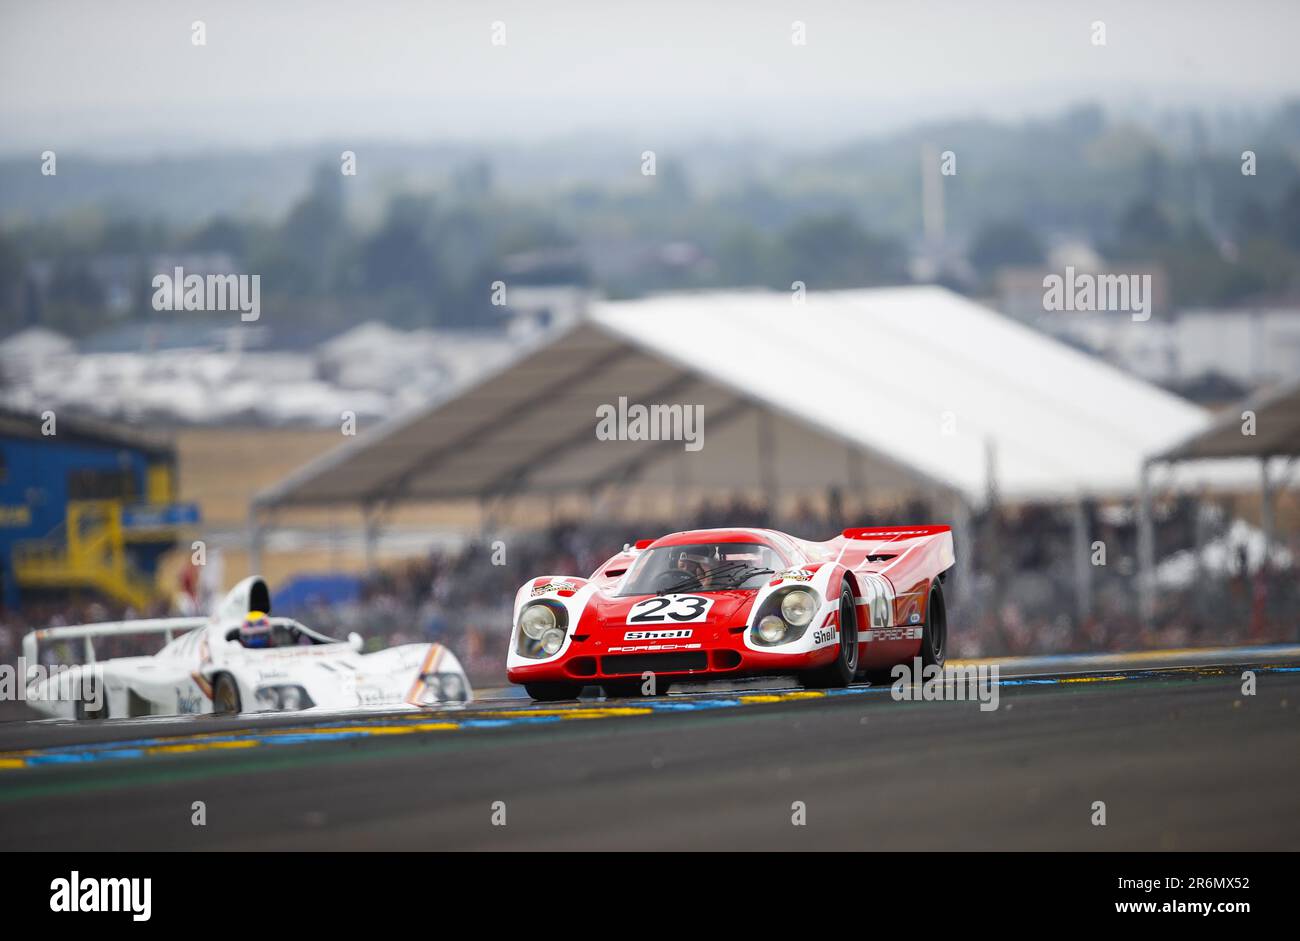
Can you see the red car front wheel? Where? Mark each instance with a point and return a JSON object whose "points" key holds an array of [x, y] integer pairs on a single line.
{"points": [[841, 672]]}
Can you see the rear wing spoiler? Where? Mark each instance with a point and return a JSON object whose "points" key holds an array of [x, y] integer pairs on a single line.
{"points": [[88, 632], [893, 532], [927, 550]]}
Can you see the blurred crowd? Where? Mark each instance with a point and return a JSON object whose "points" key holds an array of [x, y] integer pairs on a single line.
{"points": [[44, 614]]}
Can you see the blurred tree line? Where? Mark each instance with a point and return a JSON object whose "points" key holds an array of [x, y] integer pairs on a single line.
{"points": [[848, 216]]}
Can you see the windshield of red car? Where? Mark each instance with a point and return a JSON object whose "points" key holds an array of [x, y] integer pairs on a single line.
{"points": [[702, 567]]}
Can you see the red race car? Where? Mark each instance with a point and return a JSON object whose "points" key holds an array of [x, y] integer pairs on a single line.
{"points": [[714, 603]]}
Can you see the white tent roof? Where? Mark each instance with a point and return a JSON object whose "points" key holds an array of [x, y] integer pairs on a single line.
{"points": [[892, 388]]}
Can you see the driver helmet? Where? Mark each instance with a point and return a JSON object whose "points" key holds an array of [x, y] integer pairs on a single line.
{"points": [[693, 563], [255, 631]]}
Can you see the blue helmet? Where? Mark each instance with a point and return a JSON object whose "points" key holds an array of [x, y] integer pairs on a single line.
{"points": [[256, 630]]}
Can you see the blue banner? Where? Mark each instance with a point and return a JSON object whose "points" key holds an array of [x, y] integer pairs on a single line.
{"points": [[147, 516]]}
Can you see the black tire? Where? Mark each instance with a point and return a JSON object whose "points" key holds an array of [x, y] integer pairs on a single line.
{"points": [[934, 638], [225, 696], [552, 692], [841, 672]]}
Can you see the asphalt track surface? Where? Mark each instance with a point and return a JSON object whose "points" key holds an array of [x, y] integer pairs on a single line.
{"points": [[1180, 757]]}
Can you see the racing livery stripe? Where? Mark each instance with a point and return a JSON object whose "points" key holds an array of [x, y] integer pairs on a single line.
{"points": [[417, 688]]}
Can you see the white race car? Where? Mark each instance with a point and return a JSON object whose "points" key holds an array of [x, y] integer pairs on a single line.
{"points": [[208, 669]]}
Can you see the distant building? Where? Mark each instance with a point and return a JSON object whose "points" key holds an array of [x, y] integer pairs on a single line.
{"points": [[544, 307], [1253, 346], [1210, 356], [88, 510]]}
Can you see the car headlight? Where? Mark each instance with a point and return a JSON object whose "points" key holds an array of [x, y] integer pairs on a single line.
{"points": [[453, 687], [283, 698], [442, 687], [771, 629], [798, 607], [536, 620], [784, 616], [432, 688], [542, 629]]}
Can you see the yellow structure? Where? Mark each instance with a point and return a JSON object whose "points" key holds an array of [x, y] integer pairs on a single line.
{"points": [[92, 554]]}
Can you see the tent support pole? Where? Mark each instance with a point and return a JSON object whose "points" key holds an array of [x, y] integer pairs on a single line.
{"points": [[1146, 549], [1082, 563], [1200, 530], [964, 547], [1267, 512]]}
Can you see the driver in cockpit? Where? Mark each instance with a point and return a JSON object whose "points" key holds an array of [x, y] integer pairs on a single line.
{"points": [[258, 632], [255, 631], [698, 565]]}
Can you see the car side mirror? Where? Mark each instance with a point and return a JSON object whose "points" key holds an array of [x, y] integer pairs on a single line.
{"points": [[355, 641]]}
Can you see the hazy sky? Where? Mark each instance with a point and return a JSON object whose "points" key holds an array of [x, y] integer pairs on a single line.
{"points": [[94, 74]]}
